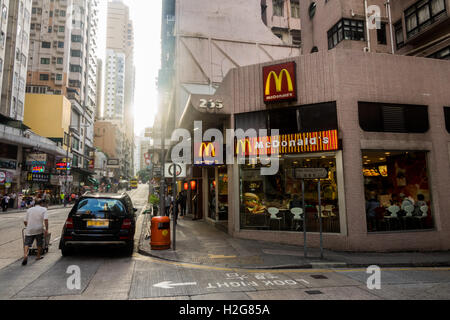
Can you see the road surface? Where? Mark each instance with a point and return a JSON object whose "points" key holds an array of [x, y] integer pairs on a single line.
{"points": [[104, 274]]}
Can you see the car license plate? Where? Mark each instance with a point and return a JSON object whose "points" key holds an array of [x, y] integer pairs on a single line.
{"points": [[98, 223]]}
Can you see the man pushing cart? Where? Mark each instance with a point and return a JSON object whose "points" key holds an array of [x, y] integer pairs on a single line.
{"points": [[35, 221]]}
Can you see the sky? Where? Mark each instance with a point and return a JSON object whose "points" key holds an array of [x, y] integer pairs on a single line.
{"points": [[146, 16]]}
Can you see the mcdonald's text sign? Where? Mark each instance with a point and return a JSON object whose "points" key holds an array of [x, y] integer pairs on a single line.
{"points": [[280, 82]]}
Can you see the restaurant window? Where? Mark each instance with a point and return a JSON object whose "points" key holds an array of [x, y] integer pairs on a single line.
{"points": [[346, 29], [397, 190], [422, 14], [273, 202], [447, 118], [379, 117]]}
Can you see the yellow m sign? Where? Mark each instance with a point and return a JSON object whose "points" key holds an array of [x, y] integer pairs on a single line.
{"points": [[243, 144], [279, 81], [207, 150]]}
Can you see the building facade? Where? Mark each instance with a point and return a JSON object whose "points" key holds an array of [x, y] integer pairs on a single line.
{"points": [[63, 61], [379, 139], [16, 58], [283, 18], [120, 77]]}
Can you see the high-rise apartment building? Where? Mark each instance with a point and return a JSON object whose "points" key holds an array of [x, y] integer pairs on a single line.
{"points": [[283, 18], [418, 28], [16, 58], [115, 85], [50, 34], [4, 5], [63, 61], [99, 110], [119, 76]]}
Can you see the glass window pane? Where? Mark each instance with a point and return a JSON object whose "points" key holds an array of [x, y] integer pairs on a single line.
{"points": [[437, 6], [424, 14], [397, 190], [275, 202]]}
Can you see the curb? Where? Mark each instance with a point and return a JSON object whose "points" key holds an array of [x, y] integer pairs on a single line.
{"points": [[312, 265]]}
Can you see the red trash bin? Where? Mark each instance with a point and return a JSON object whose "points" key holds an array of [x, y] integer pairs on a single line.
{"points": [[160, 238]]}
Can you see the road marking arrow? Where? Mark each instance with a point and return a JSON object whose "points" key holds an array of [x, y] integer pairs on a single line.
{"points": [[170, 285]]}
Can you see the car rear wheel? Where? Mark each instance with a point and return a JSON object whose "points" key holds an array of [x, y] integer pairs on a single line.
{"points": [[66, 251], [129, 249]]}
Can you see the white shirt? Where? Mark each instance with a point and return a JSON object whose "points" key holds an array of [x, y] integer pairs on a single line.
{"points": [[35, 220]]}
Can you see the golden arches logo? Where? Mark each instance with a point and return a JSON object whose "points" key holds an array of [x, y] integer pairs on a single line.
{"points": [[207, 149], [243, 144], [279, 81]]}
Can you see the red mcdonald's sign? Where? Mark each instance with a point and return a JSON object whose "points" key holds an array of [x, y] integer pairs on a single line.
{"points": [[280, 82], [289, 143]]}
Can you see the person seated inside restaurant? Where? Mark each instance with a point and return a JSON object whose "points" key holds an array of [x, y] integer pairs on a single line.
{"points": [[296, 202], [419, 204]]}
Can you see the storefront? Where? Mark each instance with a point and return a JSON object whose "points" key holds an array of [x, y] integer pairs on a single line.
{"points": [[387, 161]]}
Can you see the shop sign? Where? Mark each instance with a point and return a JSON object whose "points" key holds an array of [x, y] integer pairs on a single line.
{"points": [[311, 173], [2, 177], [8, 185], [8, 164], [207, 153], [38, 177], [113, 164], [38, 169], [178, 169], [62, 166], [288, 144], [35, 159], [280, 82], [91, 164]]}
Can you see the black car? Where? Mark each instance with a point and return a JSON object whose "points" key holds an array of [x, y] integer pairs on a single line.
{"points": [[99, 219]]}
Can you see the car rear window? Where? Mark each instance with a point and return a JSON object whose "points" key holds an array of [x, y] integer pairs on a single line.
{"points": [[100, 207]]}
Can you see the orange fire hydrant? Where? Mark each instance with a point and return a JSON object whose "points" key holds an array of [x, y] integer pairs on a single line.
{"points": [[160, 239]]}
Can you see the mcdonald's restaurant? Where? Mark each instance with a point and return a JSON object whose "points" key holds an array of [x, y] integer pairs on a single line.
{"points": [[363, 143]]}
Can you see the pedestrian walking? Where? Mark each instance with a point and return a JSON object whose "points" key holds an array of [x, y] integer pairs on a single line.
{"points": [[168, 203], [36, 223], [12, 201], [5, 202], [183, 203]]}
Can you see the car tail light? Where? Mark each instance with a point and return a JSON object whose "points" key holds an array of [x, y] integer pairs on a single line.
{"points": [[69, 223], [126, 224]]}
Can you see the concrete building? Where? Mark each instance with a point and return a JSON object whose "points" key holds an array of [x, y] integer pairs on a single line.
{"points": [[99, 110], [16, 58], [120, 77], [418, 28], [283, 18], [115, 86], [109, 138], [63, 61], [422, 29], [49, 54], [382, 137], [41, 110], [197, 52], [3, 31]]}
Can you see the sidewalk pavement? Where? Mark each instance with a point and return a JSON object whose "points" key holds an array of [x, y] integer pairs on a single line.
{"points": [[200, 243]]}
